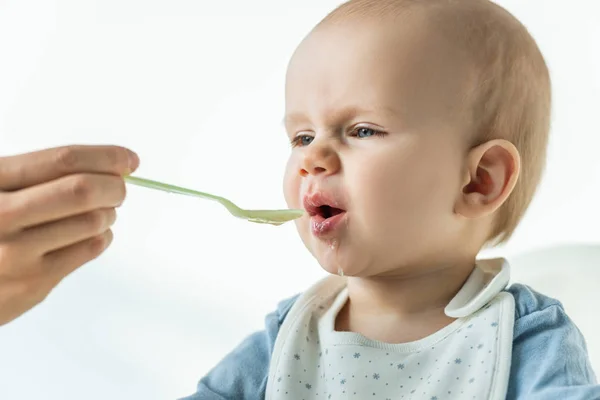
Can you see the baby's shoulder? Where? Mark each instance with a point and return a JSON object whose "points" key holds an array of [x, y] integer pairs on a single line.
{"points": [[528, 301], [284, 306]]}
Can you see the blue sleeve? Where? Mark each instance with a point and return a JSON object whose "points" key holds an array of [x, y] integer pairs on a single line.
{"points": [[550, 360], [242, 374]]}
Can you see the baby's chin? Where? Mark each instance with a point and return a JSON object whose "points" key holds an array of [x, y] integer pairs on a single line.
{"points": [[352, 261], [347, 270], [338, 255], [337, 260]]}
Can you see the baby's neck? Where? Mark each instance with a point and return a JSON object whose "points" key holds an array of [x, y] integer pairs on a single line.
{"points": [[402, 308]]}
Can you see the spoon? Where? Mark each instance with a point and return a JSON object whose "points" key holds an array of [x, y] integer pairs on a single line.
{"points": [[273, 217]]}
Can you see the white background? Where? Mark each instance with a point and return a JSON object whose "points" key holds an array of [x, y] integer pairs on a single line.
{"points": [[196, 88]]}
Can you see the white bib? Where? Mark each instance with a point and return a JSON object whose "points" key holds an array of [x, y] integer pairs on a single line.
{"points": [[468, 359]]}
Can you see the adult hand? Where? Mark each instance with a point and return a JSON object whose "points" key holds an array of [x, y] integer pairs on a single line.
{"points": [[56, 209]]}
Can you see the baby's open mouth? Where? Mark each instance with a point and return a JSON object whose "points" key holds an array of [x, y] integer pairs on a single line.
{"points": [[326, 211]]}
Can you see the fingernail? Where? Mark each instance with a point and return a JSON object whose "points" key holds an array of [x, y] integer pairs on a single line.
{"points": [[134, 161]]}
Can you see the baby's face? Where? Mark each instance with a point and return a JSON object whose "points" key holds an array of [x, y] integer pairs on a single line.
{"points": [[373, 113]]}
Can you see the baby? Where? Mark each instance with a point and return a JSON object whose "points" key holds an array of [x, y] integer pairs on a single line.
{"points": [[419, 131]]}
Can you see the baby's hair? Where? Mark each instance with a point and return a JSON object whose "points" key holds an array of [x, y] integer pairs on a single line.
{"points": [[510, 96]]}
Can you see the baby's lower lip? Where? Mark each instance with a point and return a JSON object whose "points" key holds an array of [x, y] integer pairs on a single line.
{"points": [[323, 227]]}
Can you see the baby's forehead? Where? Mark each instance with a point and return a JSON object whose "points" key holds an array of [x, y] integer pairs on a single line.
{"points": [[400, 64], [434, 31]]}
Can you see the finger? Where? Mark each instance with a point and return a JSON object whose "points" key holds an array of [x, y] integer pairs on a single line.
{"points": [[64, 197], [25, 170], [52, 236], [61, 263]]}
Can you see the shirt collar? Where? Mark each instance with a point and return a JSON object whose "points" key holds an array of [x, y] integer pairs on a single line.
{"points": [[489, 277]]}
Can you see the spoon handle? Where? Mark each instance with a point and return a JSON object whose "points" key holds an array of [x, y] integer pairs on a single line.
{"points": [[165, 187]]}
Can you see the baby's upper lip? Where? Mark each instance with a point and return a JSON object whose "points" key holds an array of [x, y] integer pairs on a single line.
{"points": [[318, 198]]}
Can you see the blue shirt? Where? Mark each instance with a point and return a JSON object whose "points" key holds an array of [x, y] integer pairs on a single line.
{"points": [[549, 360]]}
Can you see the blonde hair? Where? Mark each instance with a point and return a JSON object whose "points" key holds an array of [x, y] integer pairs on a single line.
{"points": [[511, 95]]}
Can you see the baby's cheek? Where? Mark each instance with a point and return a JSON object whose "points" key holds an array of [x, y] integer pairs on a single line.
{"points": [[291, 186], [398, 200], [384, 188]]}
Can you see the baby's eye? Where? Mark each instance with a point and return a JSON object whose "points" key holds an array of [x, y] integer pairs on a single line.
{"points": [[364, 132], [302, 140]]}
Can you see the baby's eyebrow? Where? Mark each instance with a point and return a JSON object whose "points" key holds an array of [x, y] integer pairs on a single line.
{"points": [[344, 113]]}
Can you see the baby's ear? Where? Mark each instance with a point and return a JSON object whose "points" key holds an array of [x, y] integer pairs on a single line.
{"points": [[491, 173]]}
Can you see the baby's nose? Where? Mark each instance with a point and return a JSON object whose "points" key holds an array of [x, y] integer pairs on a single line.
{"points": [[320, 159]]}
